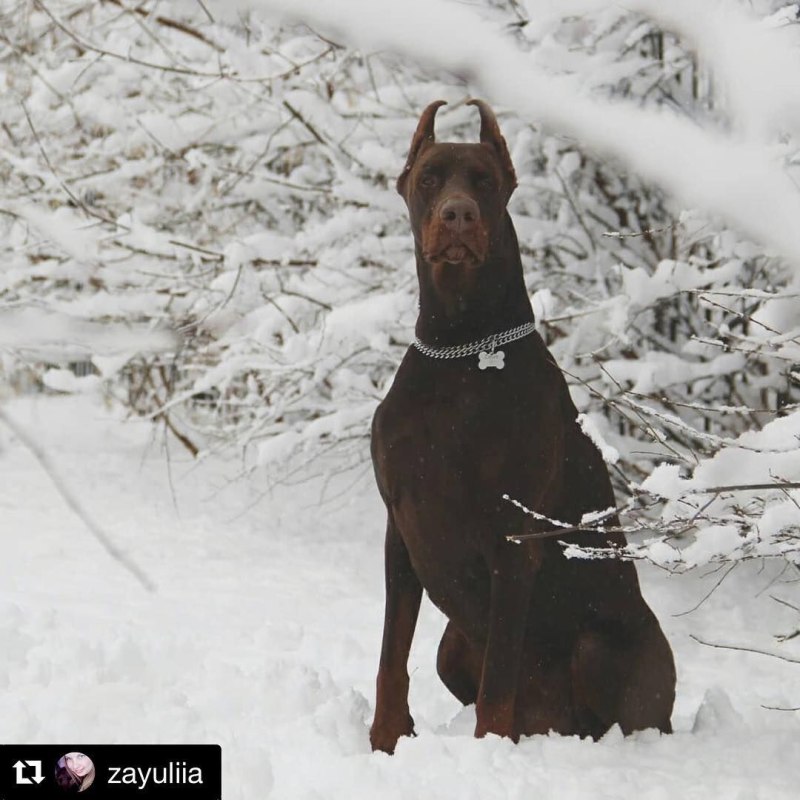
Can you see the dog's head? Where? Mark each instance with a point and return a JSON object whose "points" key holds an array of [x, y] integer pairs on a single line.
{"points": [[456, 193]]}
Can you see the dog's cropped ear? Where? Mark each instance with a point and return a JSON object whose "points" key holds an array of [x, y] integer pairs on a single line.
{"points": [[423, 136], [490, 134]]}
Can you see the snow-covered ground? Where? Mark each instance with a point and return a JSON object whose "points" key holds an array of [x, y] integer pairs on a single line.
{"points": [[263, 636]]}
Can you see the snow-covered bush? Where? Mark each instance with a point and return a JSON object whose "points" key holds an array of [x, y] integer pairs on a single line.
{"points": [[214, 187]]}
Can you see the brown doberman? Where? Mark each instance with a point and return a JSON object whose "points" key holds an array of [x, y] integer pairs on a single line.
{"points": [[478, 410]]}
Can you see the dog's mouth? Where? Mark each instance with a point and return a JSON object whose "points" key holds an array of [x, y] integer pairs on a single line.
{"points": [[455, 253]]}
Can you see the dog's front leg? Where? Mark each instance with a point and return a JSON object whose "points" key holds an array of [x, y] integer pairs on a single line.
{"points": [[403, 596], [512, 573]]}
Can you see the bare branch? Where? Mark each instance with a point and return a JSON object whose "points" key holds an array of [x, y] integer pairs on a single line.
{"points": [[710, 592], [172, 23], [72, 501], [743, 487], [746, 649]]}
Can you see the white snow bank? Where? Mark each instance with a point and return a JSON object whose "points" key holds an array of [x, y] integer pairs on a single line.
{"points": [[265, 633]]}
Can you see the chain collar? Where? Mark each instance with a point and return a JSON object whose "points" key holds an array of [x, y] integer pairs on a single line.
{"points": [[486, 348]]}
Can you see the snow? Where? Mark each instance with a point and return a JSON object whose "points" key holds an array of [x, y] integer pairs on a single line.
{"points": [[264, 633], [68, 334], [664, 481], [714, 542], [643, 289], [764, 456], [366, 320], [657, 369], [733, 39], [64, 380], [591, 427], [63, 228], [755, 521]]}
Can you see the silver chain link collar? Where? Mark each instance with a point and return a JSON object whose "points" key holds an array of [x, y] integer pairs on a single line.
{"points": [[486, 348]]}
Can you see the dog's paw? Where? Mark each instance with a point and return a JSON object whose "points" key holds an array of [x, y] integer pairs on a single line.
{"points": [[384, 735]]}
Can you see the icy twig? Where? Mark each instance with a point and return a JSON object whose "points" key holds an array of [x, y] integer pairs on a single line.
{"points": [[785, 603], [710, 592], [205, 9], [722, 409], [72, 196], [744, 487], [301, 119], [172, 23], [676, 422], [657, 435], [131, 59], [745, 649], [676, 527], [592, 526], [634, 234], [219, 75]]}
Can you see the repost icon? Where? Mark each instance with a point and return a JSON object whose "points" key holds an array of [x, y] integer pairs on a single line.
{"points": [[28, 772]]}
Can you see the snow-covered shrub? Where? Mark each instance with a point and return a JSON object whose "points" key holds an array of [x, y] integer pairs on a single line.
{"points": [[217, 184]]}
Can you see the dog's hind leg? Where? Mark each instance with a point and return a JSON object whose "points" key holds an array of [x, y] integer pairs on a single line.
{"points": [[459, 665], [631, 683]]}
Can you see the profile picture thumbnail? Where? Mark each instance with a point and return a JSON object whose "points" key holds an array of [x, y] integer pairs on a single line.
{"points": [[75, 772]]}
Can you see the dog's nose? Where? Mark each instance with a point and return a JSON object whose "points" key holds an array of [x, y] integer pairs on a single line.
{"points": [[459, 213]]}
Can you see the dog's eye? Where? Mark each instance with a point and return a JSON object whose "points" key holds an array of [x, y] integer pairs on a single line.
{"points": [[429, 180], [485, 183]]}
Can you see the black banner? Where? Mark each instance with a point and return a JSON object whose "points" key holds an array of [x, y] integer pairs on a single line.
{"points": [[157, 771]]}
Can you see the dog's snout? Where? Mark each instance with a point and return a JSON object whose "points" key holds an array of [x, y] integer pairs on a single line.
{"points": [[459, 213]]}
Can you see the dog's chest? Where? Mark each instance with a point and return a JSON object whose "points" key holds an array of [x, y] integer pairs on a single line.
{"points": [[442, 438], [447, 452]]}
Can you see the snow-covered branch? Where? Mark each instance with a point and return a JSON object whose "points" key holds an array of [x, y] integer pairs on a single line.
{"points": [[702, 167]]}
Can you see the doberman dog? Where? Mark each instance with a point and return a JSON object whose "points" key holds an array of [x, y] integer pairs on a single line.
{"points": [[479, 410]]}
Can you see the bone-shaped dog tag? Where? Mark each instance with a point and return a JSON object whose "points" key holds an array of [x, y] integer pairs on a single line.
{"points": [[495, 359]]}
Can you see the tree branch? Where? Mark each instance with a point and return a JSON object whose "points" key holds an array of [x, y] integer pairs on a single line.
{"points": [[72, 501], [745, 649]]}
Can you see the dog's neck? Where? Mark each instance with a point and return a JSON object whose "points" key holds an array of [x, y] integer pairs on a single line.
{"points": [[497, 300]]}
